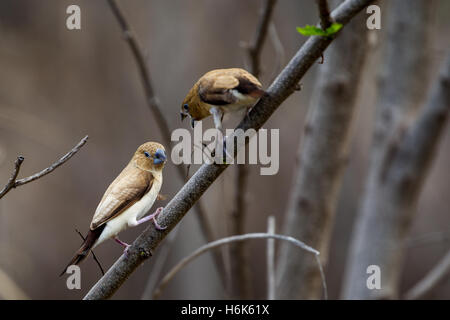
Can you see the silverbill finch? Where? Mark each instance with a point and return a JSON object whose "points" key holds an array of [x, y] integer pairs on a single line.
{"points": [[128, 198], [221, 91]]}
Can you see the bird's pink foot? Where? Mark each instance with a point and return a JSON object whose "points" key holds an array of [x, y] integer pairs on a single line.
{"points": [[153, 217], [123, 244]]}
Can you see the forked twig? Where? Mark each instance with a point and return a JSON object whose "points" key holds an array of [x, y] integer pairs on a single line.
{"points": [[14, 183]]}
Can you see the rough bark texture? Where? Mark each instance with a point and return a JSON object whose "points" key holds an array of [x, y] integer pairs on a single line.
{"points": [[283, 86], [322, 156], [401, 154]]}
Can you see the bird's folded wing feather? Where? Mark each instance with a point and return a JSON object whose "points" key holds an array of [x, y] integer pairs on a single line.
{"points": [[216, 90], [130, 186]]}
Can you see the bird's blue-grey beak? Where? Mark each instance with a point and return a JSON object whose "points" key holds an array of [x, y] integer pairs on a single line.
{"points": [[160, 156]]}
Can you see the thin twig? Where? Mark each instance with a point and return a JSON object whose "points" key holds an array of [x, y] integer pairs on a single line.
{"points": [[156, 109], [431, 279], [205, 176], [324, 13], [228, 240], [240, 266], [256, 45], [13, 183], [279, 50], [271, 260], [93, 254]]}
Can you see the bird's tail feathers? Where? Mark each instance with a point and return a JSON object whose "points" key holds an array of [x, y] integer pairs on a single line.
{"points": [[85, 248]]}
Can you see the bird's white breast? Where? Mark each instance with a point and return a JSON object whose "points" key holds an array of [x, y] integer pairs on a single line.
{"points": [[133, 213]]}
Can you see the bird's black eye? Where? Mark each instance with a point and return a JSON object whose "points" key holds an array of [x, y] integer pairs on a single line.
{"points": [[147, 154], [186, 106]]}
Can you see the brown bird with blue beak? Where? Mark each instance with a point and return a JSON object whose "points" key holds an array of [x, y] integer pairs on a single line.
{"points": [[128, 198], [221, 91]]}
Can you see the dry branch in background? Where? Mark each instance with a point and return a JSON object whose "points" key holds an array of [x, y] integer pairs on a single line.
{"points": [[431, 280], [283, 86], [322, 158], [240, 262], [271, 259], [14, 183], [9, 289], [232, 239], [324, 14], [402, 151], [155, 107]]}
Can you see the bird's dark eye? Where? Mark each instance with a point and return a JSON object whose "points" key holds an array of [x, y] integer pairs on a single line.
{"points": [[186, 106], [147, 154]]}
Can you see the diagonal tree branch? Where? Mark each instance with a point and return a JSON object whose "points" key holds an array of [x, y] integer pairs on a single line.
{"points": [[283, 86], [14, 183], [155, 107]]}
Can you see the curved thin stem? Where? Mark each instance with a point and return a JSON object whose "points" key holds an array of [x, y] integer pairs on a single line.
{"points": [[228, 240]]}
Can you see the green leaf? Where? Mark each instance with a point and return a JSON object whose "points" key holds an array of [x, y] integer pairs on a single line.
{"points": [[316, 31], [335, 27], [311, 31]]}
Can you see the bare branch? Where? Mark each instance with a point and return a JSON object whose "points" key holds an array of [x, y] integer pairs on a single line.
{"points": [[324, 14], [279, 50], [431, 280], [13, 183], [175, 210], [155, 107], [271, 260], [256, 45], [228, 240]]}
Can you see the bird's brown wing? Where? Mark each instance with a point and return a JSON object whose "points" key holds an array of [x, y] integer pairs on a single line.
{"points": [[216, 89], [130, 186]]}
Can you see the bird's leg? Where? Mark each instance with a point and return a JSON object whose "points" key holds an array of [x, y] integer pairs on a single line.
{"points": [[153, 217], [218, 117], [123, 244]]}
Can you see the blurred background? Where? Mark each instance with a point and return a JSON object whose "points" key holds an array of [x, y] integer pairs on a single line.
{"points": [[56, 86]]}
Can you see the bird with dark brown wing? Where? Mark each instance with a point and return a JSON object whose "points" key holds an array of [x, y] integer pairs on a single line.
{"points": [[221, 91]]}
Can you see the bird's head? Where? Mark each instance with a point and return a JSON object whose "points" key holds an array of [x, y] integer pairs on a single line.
{"points": [[192, 106], [150, 156]]}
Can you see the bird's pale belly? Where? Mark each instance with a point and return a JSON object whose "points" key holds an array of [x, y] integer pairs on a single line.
{"points": [[131, 215]]}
